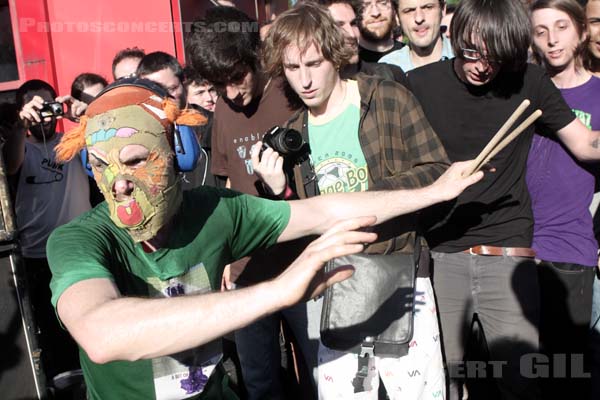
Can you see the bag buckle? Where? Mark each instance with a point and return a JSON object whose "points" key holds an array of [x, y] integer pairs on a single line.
{"points": [[367, 349]]}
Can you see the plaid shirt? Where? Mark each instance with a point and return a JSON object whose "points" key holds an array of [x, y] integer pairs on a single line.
{"points": [[401, 149]]}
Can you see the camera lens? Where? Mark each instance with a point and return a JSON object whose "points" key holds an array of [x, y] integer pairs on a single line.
{"points": [[293, 140]]}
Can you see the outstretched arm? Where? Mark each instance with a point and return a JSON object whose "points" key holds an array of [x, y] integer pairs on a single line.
{"points": [[110, 327], [14, 149], [581, 141], [317, 214]]}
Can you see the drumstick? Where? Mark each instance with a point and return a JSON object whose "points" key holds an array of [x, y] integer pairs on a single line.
{"points": [[524, 125], [501, 132]]}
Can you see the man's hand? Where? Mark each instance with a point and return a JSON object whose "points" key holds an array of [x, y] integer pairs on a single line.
{"points": [[75, 108], [231, 273], [30, 113], [269, 168], [305, 279], [452, 182]]}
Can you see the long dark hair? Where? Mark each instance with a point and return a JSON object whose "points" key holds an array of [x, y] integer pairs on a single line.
{"points": [[503, 26]]}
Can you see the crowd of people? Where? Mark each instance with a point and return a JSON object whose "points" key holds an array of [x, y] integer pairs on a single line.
{"points": [[201, 201]]}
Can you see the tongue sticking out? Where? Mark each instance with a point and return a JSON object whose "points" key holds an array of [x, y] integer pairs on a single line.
{"points": [[130, 214]]}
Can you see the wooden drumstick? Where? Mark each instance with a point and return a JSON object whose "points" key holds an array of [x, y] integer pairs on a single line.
{"points": [[524, 125], [497, 137]]}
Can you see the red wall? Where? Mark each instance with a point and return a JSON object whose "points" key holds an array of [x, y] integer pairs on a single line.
{"points": [[87, 34], [60, 39], [32, 44]]}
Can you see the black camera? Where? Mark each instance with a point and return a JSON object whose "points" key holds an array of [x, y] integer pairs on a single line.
{"points": [[287, 142], [51, 109]]}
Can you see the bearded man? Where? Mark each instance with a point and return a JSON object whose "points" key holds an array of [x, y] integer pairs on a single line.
{"points": [[376, 24]]}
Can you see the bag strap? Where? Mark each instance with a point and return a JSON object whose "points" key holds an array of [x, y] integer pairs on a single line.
{"points": [[366, 352], [304, 172]]}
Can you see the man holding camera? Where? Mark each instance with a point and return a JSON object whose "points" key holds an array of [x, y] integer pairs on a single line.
{"points": [[250, 104], [364, 134], [48, 194]]}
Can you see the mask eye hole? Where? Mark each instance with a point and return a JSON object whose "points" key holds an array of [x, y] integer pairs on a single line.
{"points": [[134, 155], [97, 163]]}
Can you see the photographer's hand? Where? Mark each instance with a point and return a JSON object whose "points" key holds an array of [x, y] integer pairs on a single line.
{"points": [[75, 108], [30, 113], [269, 168]]}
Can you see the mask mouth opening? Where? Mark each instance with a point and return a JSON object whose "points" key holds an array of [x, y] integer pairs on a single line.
{"points": [[144, 212]]}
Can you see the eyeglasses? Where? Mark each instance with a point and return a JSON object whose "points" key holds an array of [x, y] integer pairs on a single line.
{"points": [[381, 4], [475, 55]]}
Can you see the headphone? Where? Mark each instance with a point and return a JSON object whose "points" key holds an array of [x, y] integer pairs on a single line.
{"points": [[187, 148]]}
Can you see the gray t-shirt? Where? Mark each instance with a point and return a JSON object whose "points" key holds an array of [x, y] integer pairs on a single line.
{"points": [[48, 195]]}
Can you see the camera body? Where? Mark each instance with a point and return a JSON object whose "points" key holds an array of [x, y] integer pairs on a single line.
{"points": [[51, 109], [287, 142]]}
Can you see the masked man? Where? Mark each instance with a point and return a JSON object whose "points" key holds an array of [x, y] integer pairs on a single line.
{"points": [[132, 278]]}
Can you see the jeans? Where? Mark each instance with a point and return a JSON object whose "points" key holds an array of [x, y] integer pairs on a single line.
{"points": [[503, 291], [59, 351], [566, 308], [259, 352]]}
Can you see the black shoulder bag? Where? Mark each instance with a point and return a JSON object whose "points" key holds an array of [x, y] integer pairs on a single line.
{"points": [[371, 313]]}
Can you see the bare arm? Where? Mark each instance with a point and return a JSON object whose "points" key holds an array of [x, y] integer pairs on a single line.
{"points": [[111, 327], [14, 148], [317, 214], [581, 141]]}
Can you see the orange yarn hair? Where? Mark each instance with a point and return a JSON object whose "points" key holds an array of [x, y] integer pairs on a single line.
{"points": [[73, 141], [186, 116]]}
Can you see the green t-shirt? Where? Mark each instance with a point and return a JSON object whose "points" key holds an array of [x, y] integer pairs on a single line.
{"points": [[336, 153], [214, 228]]}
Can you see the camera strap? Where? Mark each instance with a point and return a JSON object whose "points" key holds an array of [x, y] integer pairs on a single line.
{"points": [[304, 172]]}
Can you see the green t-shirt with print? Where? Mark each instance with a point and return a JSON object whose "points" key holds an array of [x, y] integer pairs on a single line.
{"points": [[336, 153], [214, 228]]}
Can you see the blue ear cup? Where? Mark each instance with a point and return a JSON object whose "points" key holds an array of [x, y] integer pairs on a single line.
{"points": [[187, 148], [86, 162]]}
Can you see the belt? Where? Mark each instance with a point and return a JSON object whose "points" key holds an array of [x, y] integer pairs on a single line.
{"points": [[501, 251]]}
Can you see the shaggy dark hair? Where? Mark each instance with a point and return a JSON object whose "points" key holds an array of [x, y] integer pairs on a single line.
{"points": [[503, 26], [224, 46]]}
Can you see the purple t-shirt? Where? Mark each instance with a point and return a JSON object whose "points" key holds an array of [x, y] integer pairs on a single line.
{"points": [[561, 188]]}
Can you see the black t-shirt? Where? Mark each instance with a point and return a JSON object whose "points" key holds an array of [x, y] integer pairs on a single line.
{"points": [[497, 210], [374, 56]]}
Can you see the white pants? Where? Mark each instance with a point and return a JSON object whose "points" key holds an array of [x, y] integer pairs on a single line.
{"points": [[417, 376]]}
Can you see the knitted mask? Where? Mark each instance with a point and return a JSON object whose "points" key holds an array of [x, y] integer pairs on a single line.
{"points": [[128, 146], [128, 132]]}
